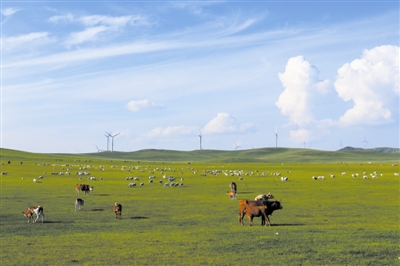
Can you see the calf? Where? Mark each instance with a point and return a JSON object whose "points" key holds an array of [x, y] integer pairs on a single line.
{"points": [[231, 194], [245, 205], [38, 210], [79, 204], [118, 210]]}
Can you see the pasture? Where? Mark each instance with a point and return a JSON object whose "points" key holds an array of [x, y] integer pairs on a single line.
{"points": [[336, 221]]}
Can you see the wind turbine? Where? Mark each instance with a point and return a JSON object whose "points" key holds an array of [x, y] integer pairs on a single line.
{"points": [[200, 136], [108, 139], [365, 142], [276, 137], [340, 145], [236, 146], [112, 141]]}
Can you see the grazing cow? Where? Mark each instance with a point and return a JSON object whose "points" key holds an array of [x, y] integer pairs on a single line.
{"points": [[118, 210], [37, 210], [233, 186], [264, 197], [257, 211], [231, 194], [79, 204], [83, 187], [245, 205]]}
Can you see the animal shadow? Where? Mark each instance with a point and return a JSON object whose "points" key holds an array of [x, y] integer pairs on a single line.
{"points": [[139, 217], [57, 222], [97, 209], [287, 224]]}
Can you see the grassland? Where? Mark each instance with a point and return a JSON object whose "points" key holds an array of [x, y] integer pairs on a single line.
{"points": [[336, 221]]}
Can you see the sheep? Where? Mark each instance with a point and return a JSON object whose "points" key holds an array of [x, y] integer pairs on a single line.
{"points": [[132, 185], [141, 184], [166, 185], [283, 178], [321, 177], [314, 178], [34, 180]]}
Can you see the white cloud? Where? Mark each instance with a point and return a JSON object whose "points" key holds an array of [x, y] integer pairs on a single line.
{"points": [[143, 104], [301, 84], [88, 34], [372, 83], [30, 39], [172, 130], [9, 11], [96, 24], [225, 123]]}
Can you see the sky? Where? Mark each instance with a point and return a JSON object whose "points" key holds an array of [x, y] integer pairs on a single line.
{"points": [[244, 75]]}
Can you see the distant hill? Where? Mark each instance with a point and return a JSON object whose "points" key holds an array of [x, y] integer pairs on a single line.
{"points": [[381, 149], [262, 155]]}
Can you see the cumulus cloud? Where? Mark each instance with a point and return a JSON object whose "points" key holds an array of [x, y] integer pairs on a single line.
{"points": [[143, 104], [301, 84], [225, 123], [372, 83]]}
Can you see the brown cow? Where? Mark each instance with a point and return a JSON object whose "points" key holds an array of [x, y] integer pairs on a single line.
{"points": [[245, 205], [83, 187], [38, 210], [257, 211], [118, 210]]}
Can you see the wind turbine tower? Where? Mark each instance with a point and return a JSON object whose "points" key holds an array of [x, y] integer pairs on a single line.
{"points": [[200, 136], [365, 142], [112, 141], [108, 139], [276, 137]]}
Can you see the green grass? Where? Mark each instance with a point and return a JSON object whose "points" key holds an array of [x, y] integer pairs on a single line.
{"points": [[336, 221]]}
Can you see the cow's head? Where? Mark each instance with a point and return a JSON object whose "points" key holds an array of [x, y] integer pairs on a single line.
{"points": [[278, 204], [91, 188], [28, 214]]}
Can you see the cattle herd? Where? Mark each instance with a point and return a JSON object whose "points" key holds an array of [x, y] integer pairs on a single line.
{"points": [[262, 206]]}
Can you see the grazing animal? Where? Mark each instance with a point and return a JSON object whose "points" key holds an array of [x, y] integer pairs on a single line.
{"points": [[34, 180], [118, 210], [264, 197], [247, 205], [284, 178], [257, 211], [83, 187], [37, 210], [233, 186], [232, 194], [314, 177], [79, 204]]}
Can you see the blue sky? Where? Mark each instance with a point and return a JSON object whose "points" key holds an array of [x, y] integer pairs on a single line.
{"points": [[322, 74]]}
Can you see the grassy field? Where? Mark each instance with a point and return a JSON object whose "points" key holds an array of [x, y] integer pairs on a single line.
{"points": [[336, 221]]}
